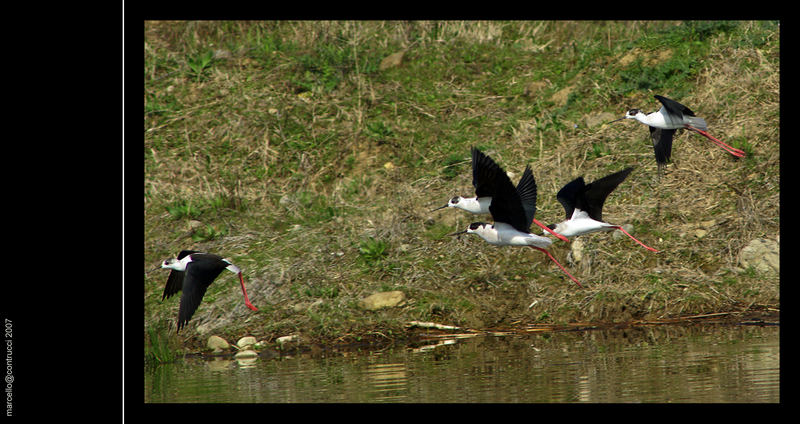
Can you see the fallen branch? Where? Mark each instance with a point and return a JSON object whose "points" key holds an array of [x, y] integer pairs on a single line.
{"points": [[424, 324]]}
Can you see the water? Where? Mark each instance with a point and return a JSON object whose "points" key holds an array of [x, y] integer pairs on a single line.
{"points": [[651, 364]]}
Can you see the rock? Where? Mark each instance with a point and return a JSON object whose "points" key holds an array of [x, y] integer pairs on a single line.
{"points": [[762, 254], [533, 88], [194, 225], [246, 341], [305, 306], [576, 251], [579, 256], [708, 224], [286, 339], [394, 59], [561, 96], [382, 300], [222, 54], [217, 343]]}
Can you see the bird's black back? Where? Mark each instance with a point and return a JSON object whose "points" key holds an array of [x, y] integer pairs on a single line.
{"points": [[569, 194], [674, 107], [590, 197], [200, 273], [527, 193], [484, 174], [597, 191], [490, 179]]}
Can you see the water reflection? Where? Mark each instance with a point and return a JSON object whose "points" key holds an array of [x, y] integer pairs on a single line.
{"points": [[650, 364], [388, 381]]}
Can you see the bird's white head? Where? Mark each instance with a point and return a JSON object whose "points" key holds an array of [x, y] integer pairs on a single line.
{"points": [[633, 113], [452, 203], [173, 263], [479, 228]]}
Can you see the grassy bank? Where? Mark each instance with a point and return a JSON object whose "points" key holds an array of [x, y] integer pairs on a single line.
{"points": [[295, 150]]}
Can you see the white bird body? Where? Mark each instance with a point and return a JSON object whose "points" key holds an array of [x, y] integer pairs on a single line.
{"points": [[502, 234], [476, 205], [581, 223], [583, 204], [664, 120]]}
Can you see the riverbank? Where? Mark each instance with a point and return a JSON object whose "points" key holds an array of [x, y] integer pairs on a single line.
{"points": [[426, 335], [312, 153]]}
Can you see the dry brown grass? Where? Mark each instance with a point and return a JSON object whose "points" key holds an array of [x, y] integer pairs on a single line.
{"points": [[249, 134]]}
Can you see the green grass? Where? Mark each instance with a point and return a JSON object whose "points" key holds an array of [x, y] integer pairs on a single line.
{"points": [[158, 348], [316, 170], [199, 63]]}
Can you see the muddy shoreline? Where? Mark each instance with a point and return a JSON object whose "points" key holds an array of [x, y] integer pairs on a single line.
{"points": [[417, 335]]}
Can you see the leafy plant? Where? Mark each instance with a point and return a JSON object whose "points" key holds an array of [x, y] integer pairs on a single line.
{"points": [[199, 63], [598, 150], [372, 251], [379, 131], [183, 209], [207, 233]]}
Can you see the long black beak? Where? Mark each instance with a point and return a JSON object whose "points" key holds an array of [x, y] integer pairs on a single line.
{"points": [[440, 207], [460, 232], [620, 119]]}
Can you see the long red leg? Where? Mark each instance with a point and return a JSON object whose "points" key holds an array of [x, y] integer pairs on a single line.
{"points": [[730, 149], [246, 299], [634, 239], [559, 265], [546, 228]]}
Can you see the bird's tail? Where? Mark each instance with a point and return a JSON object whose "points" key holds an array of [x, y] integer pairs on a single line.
{"points": [[698, 123]]}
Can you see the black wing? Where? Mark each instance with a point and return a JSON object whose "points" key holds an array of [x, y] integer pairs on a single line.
{"points": [[674, 107], [193, 293], [199, 275], [596, 193], [175, 279], [569, 194], [527, 194], [174, 284], [484, 174], [662, 144], [490, 179]]}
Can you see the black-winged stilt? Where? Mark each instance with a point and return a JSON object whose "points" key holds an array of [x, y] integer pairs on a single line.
{"points": [[484, 170], [665, 121], [192, 273], [512, 213], [583, 204]]}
